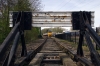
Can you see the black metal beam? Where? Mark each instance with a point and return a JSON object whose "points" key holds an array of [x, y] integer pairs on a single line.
{"points": [[82, 30], [24, 50], [7, 41], [79, 49], [93, 34], [13, 50], [94, 55]]}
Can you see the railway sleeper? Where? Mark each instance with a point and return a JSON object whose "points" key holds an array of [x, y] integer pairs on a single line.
{"points": [[51, 59]]}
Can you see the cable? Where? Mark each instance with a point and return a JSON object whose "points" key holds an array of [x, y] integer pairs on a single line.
{"points": [[88, 3], [59, 4], [76, 5], [72, 6], [95, 6], [85, 3], [64, 4]]}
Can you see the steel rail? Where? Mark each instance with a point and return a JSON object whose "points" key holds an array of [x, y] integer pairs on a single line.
{"points": [[31, 55], [75, 57]]}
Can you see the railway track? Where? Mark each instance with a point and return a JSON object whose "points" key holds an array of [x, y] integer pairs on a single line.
{"points": [[51, 54]]}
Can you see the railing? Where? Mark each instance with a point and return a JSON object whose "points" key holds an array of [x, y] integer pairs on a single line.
{"points": [[70, 36]]}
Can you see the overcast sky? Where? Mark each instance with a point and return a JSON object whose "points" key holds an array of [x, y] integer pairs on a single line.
{"points": [[74, 5]]}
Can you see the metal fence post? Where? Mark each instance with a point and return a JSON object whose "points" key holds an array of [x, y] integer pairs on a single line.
{"points": [[75, 37], [70, 36], [97, 48]]}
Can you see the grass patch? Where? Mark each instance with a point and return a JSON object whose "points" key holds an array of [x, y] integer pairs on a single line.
{"points": [[72, 44], [85, 48]]}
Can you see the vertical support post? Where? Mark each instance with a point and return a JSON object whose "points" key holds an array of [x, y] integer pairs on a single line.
{"points": [[64, 36], [83, 42], [40, 30], [70, 37], [75, 37], [82, 31], [40, 36], [24, 50], [79, 49], [67, 36], [97, 48]]}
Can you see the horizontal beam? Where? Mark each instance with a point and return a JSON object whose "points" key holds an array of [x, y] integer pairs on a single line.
{"points": [[50, 19], [51, 25]]}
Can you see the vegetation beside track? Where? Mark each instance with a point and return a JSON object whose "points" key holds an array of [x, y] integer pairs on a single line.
{"points": [[72, 46], [17, 5]]}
